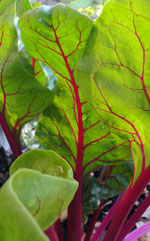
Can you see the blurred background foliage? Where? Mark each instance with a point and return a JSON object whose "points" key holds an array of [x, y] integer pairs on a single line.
{"points": [[91, 8]]}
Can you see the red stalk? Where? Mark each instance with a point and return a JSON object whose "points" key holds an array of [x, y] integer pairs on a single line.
{"points": [[15, 146], [33, 63], [125, 206], [78, 171], [80, 150], [51, 234], [69, 222], [94, 220], [59, 230]]}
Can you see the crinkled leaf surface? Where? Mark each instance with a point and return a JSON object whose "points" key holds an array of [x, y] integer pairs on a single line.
{"points": [[115, 180], [22, 98], [39, 190], [57, 37], [114, 73], [112, 180]]}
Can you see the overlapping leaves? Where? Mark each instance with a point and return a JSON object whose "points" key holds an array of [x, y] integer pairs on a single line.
{"points": [[22, 98]]}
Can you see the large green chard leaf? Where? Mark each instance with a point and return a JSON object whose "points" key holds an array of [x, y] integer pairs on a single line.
{"points": [[22, 98], [57, 36], [39, 190], [114, 73], [115, 66]]}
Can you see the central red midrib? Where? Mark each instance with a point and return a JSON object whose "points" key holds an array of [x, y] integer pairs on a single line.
{"points": [[80, 150]]}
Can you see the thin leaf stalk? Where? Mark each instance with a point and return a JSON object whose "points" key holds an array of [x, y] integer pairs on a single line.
{"points": [[79, 163], [59, 230], [138, 233], [33, 63], [70, 226], [51, 234], [78, 171], [93, 222]]}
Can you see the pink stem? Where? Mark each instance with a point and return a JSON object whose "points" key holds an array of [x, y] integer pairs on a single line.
{"points": [[70, 222], [138, 233], [78, 210], [51, 234], [33, 63], [106, 221], [59, 230]]}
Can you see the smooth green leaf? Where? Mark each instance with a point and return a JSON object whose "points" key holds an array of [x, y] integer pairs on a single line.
{"points": [[39, 190]]}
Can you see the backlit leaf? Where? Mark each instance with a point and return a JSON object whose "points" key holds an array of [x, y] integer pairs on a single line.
{"points": [[57, 37]]}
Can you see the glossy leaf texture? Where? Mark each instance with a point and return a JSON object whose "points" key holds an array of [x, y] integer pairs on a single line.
{"points": [[57, 36], [22, 98], [40, 188], [114, 74]]}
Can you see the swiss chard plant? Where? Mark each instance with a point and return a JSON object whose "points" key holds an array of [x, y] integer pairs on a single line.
{"points": [[95, 117]]}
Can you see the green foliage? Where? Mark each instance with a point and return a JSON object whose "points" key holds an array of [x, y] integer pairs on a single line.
{"points": [[96, 115], [20, 92], [114, 74], [40, 188]]}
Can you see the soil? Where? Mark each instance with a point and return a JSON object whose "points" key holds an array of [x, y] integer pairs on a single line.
{"points": [[6, 160]]}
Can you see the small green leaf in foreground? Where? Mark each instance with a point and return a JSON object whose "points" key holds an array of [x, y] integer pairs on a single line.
{"points": [[39, 190]]}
